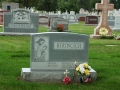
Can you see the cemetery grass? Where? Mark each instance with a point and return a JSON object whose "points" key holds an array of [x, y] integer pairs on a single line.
{"points": [[15, 54]]}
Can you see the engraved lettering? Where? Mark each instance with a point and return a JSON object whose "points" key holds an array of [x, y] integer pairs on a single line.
{"points": [[69, 45]]}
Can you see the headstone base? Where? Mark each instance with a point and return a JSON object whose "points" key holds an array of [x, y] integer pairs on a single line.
{"points": [[116, 29], [51, 76], [98, 36], [14, 34]]}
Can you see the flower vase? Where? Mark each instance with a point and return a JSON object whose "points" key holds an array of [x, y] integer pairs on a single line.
{"points": [[81, 80], [85, 79]]}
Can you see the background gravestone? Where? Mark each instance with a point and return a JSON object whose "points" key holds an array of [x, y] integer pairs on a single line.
{"points": [[55, 21], [9, 6], [21, 21], [80, 15], [117, 23], [111, 21], [104, 6], [72, 18], [64, 16], [53, 53], [91, 20], [43, 20], [1, 19]]}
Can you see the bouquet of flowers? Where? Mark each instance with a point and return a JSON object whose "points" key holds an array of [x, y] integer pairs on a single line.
{"points": [[103, 31], [84, 71], [60, 27]]}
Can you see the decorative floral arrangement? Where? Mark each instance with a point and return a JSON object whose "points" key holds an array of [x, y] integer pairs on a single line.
{"points": [[84, 71], [117, 37], [60, 27], [103, 31], [66, 79]]}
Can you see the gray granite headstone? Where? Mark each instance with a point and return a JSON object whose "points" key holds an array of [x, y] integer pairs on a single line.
{"points": [[9, 6], [52, 53], [21, 21], [52, 15], [111, 21], [72, 18], [117, 23], [55, 21], [64, 16]]}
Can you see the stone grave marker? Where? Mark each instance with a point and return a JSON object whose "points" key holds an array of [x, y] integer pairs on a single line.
{"points": [[55, 21], [91, 20], [43, 20], [49, 18], [117, 23], [1, 18], [9, 6], [111, 21], [80, 15], [52, 53], [72, 18], [21, 21], [82, 18], [72, 12], [104, 6], [52, 15], [64, 16]]}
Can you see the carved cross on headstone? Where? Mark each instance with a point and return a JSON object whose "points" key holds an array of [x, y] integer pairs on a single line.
{"points": [[66, 72], [104, 6]]}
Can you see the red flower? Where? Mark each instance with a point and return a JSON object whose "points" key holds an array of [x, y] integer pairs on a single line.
{"points": [[66, 80], [60, 27]]}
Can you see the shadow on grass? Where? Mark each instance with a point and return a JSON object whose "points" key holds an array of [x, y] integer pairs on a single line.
{"points": [[17, 56]]}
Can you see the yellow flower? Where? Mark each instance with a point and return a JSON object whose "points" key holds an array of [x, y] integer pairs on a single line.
{"points": [[78, 68], [86, 72], [103, 31], [85, 65]]}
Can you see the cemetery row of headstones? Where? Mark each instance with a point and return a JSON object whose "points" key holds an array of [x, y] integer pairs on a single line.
{"points": [[43, 20], [51, 53]]}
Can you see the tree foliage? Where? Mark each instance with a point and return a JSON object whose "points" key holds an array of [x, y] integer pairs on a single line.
{"points": [[63, 5], [69, 5], [116, 3], [47, 5]]}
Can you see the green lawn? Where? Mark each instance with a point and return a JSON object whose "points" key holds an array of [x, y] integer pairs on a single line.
{"points": [[15, 54]]}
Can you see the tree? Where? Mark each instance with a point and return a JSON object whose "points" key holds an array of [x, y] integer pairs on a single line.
{"points": [[69, 5], [93, 2], [116, 3], [85, 4], [47, 5]]}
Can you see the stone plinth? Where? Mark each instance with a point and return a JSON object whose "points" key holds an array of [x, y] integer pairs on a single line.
{"points": [[51, 76], [98, 36]]}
